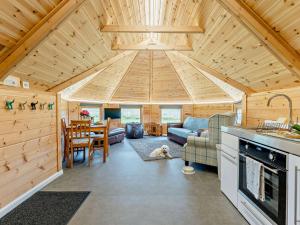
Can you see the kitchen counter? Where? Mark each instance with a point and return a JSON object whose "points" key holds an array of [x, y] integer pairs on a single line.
{"points": [[286, 145]]}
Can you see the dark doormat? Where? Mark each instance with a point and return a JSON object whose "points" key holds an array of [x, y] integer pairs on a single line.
{"points": [[46, 208]]}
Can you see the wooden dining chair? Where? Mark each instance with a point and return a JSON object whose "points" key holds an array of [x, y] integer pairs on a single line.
{"points": [[80, 138], [102, 137], [66, 139]]}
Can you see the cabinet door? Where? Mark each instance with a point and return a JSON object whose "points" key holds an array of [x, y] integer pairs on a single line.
{"points": [[294, 190], [229, 177]]}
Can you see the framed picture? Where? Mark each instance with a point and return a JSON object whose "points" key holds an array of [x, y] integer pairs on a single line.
{"points": [[25, 84]]}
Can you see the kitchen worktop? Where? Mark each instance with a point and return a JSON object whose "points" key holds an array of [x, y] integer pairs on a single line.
{"points": [[287, 145]]}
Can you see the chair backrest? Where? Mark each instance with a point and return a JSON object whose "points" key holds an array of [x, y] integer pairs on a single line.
{"points": [[80, 129], [63, 126], [214, 126], [108, 123]]}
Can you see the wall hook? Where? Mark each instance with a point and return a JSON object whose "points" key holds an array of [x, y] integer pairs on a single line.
{"points": [[22, 105], [33, 105], [42, 106], [50, 106], [9, 104]]}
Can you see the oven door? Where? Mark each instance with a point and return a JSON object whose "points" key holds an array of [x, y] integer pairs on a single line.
{"points": [[274, 205]]}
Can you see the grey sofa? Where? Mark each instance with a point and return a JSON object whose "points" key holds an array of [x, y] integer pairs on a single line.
{"points": [[191, 126], [203, 149]]}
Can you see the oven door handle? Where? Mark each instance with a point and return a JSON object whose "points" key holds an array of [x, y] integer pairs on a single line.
{"points": [[272, 170], [297, 170], [266, 167]]}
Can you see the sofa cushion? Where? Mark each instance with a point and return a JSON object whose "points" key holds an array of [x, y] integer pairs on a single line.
{"points": [[116, 131], [181, 132], [194, 124]]}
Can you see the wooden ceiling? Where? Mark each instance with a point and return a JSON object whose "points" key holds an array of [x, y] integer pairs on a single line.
{"points": [[150, 77], [18, 18], [228, 44]]}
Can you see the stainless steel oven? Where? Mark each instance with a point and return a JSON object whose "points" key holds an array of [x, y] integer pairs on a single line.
{"points": [[275, 178]]}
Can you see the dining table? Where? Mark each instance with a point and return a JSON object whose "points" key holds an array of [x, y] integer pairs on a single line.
{"points": [[95, 128]]}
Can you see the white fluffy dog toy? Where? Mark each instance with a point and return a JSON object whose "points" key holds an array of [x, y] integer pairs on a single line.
{"points": [[163, 151]]}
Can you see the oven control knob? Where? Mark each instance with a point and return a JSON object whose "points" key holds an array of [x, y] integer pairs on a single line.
{"points": [[271, 156]]}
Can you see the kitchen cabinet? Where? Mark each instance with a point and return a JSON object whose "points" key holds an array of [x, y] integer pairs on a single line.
{"points": [[229, 165], [294, 190], [250, 212]]}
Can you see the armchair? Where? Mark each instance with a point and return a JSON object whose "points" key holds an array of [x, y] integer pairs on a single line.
{"points": [[203, 149]]}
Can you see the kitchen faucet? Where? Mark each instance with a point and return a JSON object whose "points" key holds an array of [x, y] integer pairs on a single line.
{"points": [[290, 106]]}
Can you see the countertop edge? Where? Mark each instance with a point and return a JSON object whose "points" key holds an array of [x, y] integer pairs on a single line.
{"points": [[273, 142]]}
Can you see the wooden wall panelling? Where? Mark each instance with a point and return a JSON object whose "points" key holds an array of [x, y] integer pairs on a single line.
{"points": [[59, 132], [257, 110], [146, 116], [29, 150], [207, 110], [244, 110], [74, 111], [187, 110]]}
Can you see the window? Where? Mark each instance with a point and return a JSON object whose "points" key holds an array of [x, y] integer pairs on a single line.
{"points": [[130, 114], [238, 119], [94, 113], [170, 115]]}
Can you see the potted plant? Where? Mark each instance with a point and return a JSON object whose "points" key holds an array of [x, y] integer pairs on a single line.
{"points": [[84, 114]]}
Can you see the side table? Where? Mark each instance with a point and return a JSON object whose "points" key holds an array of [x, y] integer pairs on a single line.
{"points": [[155, 129]]}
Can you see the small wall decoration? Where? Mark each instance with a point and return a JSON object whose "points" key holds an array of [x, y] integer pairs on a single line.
{"points": [[25, 84], [42, 106], [12, 81], [22, 105], [9, 104], [50, 106], [33, 105]]}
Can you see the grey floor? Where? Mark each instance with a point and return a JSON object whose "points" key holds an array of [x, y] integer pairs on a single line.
{"points": [[129, 191]]}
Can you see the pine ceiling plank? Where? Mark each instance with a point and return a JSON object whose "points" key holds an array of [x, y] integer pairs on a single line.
{"points": [[271, 39], [217, 74], [134, 85], [151, 29], [102, 85], [37, 34], [89, 72], [166, 85], [157, 46]]}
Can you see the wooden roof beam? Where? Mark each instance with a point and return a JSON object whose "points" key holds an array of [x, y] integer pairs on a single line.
{"points": [[156, 46], [37, 34], [96, 69], [217, 74], [151, 29], [270, 38]]}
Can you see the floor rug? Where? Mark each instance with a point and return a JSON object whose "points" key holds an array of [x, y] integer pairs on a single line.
{"points": [[46, 208], [146, 145]]}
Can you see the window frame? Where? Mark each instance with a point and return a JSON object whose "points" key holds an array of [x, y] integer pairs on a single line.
{"points": [[174, 108], [93, 107], [134, 108]]}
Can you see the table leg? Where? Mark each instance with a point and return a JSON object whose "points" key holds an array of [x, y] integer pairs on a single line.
{"points": [[105, 146]]}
